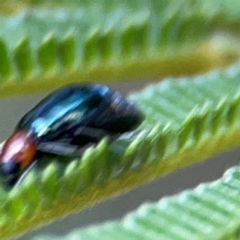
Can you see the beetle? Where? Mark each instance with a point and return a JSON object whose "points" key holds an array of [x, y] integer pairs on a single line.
{"points": [[65, 122]]}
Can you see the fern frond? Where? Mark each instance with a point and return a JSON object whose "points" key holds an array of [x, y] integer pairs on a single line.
{"points": [[51, 44], [187, 120], [210, 211]]}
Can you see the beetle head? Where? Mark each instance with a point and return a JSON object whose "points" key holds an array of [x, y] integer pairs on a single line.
{"points": [[17, 153]]}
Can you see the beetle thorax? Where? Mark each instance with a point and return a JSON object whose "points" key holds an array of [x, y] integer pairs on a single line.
{"points": [[20, 148]]}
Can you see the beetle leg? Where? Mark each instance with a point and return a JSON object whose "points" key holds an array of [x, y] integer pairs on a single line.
{"points": [[97, 134], [94, 133], [86, 135], [84, 138], [58, 148], [133, 134]]}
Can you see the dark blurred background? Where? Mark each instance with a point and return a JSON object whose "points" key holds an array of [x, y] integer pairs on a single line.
{"points": [[115, 208]]}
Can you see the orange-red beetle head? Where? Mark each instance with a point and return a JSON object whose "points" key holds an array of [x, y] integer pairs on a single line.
{"points": [[17, 153]]}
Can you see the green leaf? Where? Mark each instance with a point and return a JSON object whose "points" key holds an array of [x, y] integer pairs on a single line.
{"points": [[210, 211], [51, 44], [45, 44], [175, 133]]}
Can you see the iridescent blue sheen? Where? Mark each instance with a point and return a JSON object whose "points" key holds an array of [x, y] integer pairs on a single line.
{"points": [[63, 112]]}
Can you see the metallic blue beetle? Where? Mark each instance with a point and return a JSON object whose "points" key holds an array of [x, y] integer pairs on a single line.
{"points": [[64, 122]]}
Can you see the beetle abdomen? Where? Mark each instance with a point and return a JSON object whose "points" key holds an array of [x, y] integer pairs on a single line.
{"points": [[61, 113]]}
